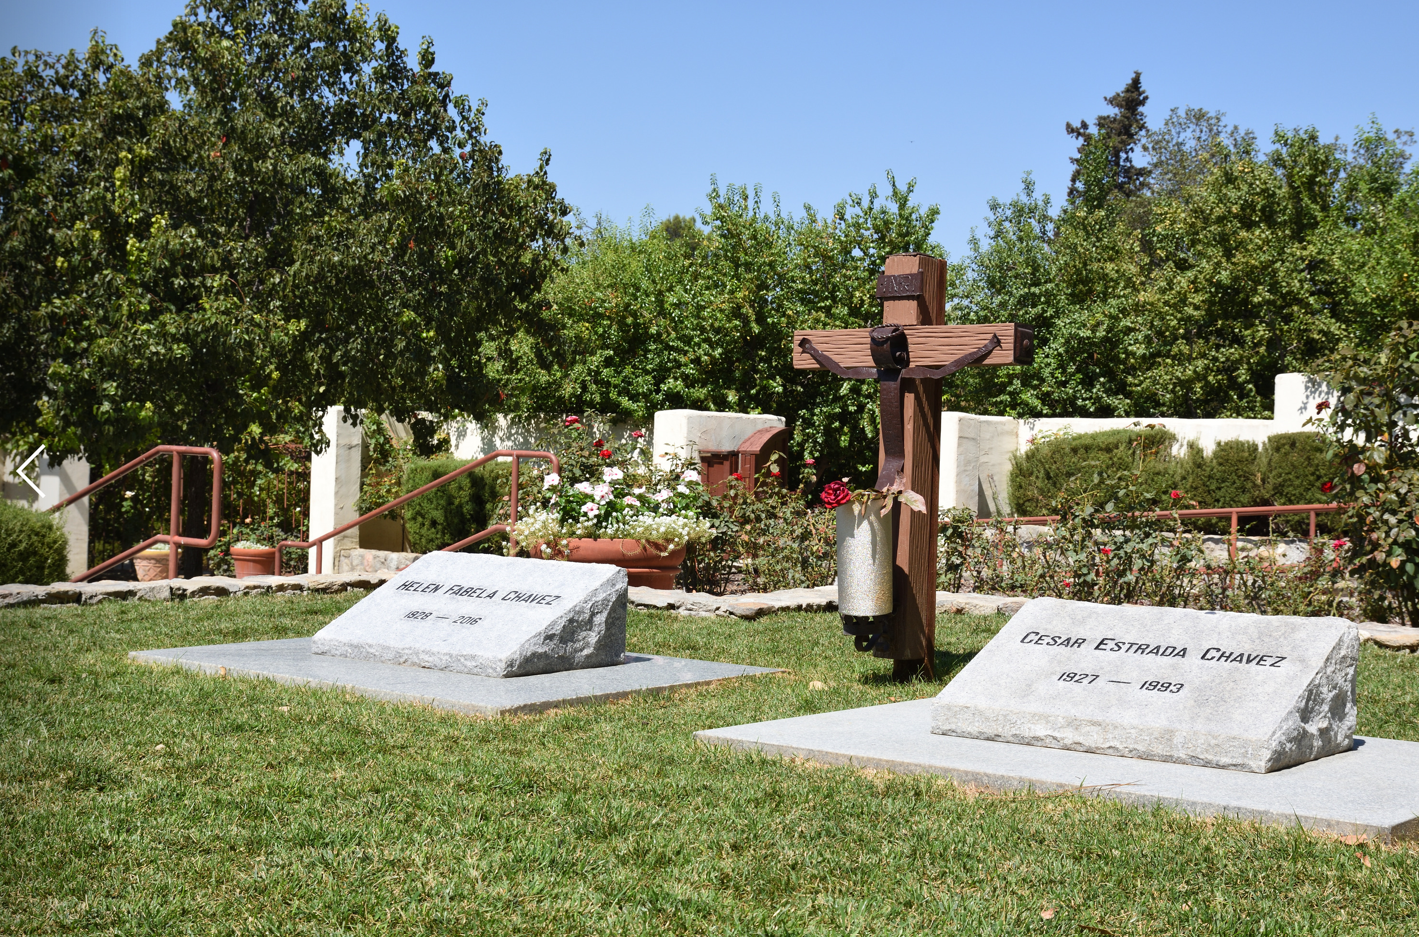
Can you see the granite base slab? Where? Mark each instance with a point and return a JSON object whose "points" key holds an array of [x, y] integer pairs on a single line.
{"points": [[290, 662], [1367, 791]]}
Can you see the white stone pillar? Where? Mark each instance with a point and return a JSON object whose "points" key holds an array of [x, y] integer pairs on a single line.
{"points": [[1296, 399], [975, 462], [685, 433], [335, 487]]}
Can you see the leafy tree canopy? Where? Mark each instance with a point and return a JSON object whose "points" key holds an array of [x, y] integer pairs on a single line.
{"points": [[1188, 299], [678, 314], [272, 212]]}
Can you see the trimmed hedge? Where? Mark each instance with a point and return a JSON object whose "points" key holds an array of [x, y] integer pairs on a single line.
{"points": [[1288, 469], [457, 510], [1090, 462], [1293, 466], [33, 547]]}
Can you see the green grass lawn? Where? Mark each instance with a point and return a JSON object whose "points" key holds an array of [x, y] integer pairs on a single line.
{"points": [[145, 800]]}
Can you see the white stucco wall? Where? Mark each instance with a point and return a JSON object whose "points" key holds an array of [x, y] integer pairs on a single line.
{"points": [[335, 486]]}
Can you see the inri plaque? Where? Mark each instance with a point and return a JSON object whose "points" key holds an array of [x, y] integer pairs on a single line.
{"points": [[495, 616], [1223, 689]]}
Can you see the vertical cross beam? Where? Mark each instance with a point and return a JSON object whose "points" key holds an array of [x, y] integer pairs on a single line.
{"points": [[912, 637]]}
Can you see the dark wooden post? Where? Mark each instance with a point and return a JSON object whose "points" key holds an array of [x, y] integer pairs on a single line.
{"points": [[912, 644]]}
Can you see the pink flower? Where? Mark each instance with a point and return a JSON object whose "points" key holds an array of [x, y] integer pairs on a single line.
{"points": [[638, 434], [573, 420], [632, 501], [1175, 494], [835, 494], [809, 462], [590, 509], [1337, 544]]}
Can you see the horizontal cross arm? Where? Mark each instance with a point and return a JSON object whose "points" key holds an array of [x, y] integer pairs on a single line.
{"points": [[930, 346]]}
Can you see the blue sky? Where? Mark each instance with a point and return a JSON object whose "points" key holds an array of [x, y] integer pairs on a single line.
{"points": [[640, 103]]}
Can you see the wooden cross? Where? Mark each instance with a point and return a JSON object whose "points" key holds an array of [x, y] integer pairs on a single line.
{"points": [[908, 356]]}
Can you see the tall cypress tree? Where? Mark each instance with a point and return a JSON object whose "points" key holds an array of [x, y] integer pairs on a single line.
{"points": [[1122, 130]]}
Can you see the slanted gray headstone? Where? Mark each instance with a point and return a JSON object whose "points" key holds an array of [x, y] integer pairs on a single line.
{"points": [[1223, 689], [494, 616]]}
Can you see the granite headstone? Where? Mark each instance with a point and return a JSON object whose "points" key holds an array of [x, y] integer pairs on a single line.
{"points": [[494, 616], [1222, 689]]}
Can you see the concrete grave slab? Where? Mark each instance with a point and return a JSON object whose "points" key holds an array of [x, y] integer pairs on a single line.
{"points": [[1224, 689], [1367, 791], [291, 662], [494, 616]]}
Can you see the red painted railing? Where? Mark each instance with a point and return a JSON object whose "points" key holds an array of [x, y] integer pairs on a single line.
{"points": [[1233, 513], [172, 538], [517, 455]]}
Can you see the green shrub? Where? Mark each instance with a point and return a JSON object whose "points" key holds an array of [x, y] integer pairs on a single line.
{"points": [[1076, 466], [1293, 467], [459, 509], [1227, 477], [33, 547]]}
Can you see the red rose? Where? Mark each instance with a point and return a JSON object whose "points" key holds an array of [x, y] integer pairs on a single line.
{"points": [[1067, 583], [1327, 487], [835, 494], [1175, 494], [775, 474], [638, 434], [599, 442], [605, 453], [1323, 405], [573, 420], [809, 462], [736, 475], [1105, 551]]}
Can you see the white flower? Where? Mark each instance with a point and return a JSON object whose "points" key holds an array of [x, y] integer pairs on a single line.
{"points": [[612, 474], [585, 488], [633, 502], [590, 510], [602, 492], [682, 489], [551, 480], [638, 491], [661, 495], [690, 475]]}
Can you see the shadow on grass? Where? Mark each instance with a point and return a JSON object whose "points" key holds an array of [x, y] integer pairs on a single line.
{"points": [[948, 664]]}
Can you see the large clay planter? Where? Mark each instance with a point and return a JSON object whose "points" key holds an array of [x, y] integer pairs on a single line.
{"points": [[643, 563], [151, 565], [258, 562]]}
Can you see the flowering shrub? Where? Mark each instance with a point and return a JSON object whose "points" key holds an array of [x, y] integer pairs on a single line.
{"points": [[772, 538], [602, 495], [1373, 438], [1116, 554]]}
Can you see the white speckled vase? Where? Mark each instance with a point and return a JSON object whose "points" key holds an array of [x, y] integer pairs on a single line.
{"points": [[864, 560]]}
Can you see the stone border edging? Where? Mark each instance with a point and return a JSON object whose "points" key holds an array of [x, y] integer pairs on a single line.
{"points": [[821, 599], [200, 587]]}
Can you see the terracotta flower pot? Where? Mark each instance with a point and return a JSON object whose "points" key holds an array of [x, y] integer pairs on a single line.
{"points": [[151, 565], [641, 560], [257, 562]]}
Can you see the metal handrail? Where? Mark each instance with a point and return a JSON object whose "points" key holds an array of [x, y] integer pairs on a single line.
{"points": [[517, 455], [172, 538], [1233, 513]]}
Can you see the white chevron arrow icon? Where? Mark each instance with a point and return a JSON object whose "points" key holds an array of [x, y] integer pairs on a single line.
{"points": [[20, 472]]}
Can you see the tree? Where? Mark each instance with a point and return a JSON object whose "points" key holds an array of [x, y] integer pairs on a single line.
{"points": [[1119, 132], [1189, 302], [642, 321], [1183, 151], [273, 212]]}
